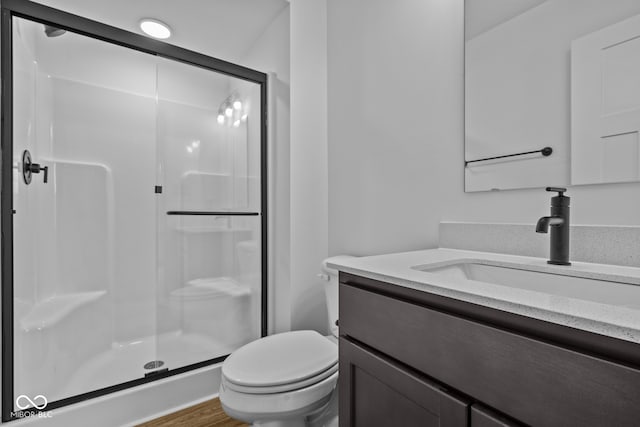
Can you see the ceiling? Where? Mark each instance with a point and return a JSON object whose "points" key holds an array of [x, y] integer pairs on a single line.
{"points": [[483, 15], [225, 29]]}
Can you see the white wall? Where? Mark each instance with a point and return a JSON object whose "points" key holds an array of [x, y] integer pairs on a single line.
{"points": [[395, 122], [395, 78], [309, 227]]}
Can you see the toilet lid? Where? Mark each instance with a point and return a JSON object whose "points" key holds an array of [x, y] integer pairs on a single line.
{"points": [[286, 358]]}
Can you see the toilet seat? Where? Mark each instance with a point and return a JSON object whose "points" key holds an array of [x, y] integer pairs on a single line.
{"points": [[281, 363]]}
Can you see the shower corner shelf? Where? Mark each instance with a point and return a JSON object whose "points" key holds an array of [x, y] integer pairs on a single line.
{"points": [[205, 229], [51, 311]]}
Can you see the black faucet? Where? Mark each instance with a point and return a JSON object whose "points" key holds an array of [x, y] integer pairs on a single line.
{"points": [[559, 223]]}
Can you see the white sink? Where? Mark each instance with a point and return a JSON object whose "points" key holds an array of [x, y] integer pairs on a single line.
{"points": [[606, 289]]}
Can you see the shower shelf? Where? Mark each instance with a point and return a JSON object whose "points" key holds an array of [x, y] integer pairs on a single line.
{"points": [[49, 312], [212, 213], [222, 286], [206, 229]]}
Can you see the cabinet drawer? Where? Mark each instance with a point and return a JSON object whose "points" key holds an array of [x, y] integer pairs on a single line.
{"points": [[377, 392], [532, 381]]}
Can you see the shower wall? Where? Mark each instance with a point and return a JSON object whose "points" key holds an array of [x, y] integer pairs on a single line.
{"points": [[104, 280]]}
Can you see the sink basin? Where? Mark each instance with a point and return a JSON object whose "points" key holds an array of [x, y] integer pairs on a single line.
{"points": [[612, 290]]}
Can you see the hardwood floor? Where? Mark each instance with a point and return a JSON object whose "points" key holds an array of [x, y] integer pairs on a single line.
{"points": [[205, 414]]}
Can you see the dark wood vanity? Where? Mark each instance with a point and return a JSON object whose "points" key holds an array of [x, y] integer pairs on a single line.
{"points": [[412, 358]]}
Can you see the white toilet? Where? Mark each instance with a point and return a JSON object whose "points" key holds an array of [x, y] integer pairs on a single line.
{"points": [[287, 379]]}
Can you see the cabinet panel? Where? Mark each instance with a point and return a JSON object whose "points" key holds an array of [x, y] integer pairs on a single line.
{"points": [[485, 417], [376, 392], [532, 381]]}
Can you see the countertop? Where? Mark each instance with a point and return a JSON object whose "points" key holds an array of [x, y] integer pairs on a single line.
{"points": [[618, 321]]}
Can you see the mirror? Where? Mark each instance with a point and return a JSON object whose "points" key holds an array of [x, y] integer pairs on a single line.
{"points": [[552, 93]]}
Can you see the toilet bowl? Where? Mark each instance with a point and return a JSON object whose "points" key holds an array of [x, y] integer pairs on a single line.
{"points": [[287, 379]]}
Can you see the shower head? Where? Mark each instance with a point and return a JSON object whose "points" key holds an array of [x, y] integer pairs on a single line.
{"points": [[52, 31]]}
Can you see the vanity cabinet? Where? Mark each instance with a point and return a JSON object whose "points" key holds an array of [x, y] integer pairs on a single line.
{"points": [[411, 358], [481, 416], [379, 392]]}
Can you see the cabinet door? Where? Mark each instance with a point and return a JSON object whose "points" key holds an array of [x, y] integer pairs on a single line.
{"points": [[482, 416], [375, 391]]}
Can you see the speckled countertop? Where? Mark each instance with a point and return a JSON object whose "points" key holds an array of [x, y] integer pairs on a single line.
{"points": [[614, 317]]}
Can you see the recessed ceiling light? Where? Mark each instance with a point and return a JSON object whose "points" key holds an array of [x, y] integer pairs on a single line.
{"points": [[154, 28]]}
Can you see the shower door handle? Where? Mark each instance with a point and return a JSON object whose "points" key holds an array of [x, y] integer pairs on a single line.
{"points": [[29, 168]]}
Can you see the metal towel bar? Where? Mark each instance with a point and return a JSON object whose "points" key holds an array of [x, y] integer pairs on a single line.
{"points": [[546, 151]]}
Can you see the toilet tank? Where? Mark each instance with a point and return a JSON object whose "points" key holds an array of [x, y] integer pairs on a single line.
{"points": [[330, 280]]}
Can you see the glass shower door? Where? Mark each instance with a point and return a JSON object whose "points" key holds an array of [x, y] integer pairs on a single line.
{"points": [[133, 210], [209, 218], [83, 228]]}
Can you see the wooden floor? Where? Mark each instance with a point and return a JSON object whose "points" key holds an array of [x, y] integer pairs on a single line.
{"points": [[206, 414]]}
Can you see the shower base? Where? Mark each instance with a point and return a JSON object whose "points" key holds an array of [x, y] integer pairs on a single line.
{"points": [[133, 406], [125, 362]]}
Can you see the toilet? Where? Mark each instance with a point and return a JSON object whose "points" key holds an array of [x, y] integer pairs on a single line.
{"points": [[287, 379]]}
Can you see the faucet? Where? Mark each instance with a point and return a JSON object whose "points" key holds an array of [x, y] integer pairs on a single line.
{"points": [[559, 223]]}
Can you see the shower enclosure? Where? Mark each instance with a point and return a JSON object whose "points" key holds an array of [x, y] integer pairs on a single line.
{"points": [[133, 208]]}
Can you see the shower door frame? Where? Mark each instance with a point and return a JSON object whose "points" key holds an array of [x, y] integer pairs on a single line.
{"points": [[97, 30]]}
